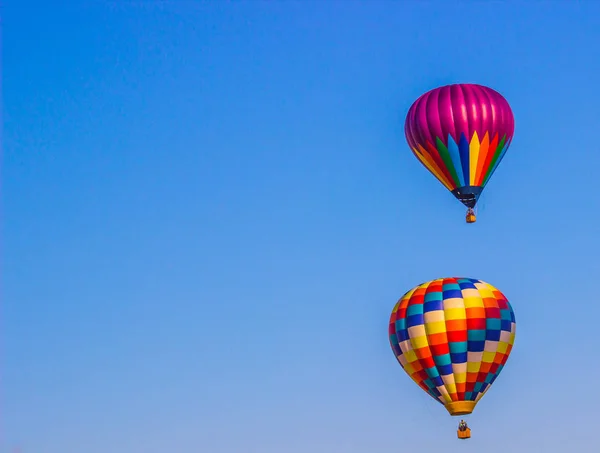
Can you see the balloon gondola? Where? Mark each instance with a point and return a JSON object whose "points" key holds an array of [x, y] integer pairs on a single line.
{"points": [[471, 216], [466, 434], [461, 133]]}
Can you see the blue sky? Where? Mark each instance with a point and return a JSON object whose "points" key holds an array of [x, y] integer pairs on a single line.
{"points": [[209, 211]]}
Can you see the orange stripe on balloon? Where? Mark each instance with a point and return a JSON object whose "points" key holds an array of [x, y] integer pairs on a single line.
{"points": [[435, 154], [430, 164], [488, 159], [434, 160], [426, 160]]}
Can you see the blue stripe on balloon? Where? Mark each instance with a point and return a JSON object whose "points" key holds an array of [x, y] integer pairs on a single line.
{"points": [[463, 146], [455, 156]]}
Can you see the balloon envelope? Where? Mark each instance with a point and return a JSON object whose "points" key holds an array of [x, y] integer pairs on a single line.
{"points": [[453, 336], [460, 133]]}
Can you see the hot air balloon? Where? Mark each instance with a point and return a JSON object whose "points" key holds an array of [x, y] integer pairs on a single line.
{"points": [[453, 336], [460, 133]]}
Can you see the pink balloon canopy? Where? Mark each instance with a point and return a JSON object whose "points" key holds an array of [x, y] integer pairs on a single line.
{"points": [[460, 133], [456, 110]]}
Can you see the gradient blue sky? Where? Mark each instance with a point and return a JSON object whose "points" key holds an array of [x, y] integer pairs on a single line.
{"points": [[210, 210]]}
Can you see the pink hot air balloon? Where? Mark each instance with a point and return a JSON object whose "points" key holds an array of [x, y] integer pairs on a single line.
{"points": [[460, 133]]}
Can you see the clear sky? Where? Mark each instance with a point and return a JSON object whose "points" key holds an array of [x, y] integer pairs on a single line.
{"points": [[210, 209]]}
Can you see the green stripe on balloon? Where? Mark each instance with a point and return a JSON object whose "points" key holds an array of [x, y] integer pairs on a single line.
{"points": [[445, 155]]}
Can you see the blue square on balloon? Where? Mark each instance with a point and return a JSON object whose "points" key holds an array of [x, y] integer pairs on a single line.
{"points": [[476, 346], [506, 325], [452, 294], [466, 284], [458, 357], [433, 305], [445, 370], [414, 320], [402, 335], [492, 335]]}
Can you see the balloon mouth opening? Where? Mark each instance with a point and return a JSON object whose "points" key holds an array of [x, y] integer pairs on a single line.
{"points": [[468, 195], [460, 407]]}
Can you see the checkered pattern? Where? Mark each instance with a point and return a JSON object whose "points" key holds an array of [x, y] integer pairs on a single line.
{"points": [[453, 336]]}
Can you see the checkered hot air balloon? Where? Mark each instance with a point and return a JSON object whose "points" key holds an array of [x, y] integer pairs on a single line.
{"points": [[460, 133], [453, 336]]}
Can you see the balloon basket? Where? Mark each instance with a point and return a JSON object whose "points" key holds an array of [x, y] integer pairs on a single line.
{"points": [[470, 218], [466, 434]]}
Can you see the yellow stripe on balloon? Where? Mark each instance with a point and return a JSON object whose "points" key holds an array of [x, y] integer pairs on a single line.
{"points": [[473, 301], [452, 314], [460, 372], [488, 357], [410, 355], [474, 361], [483, 150], [435, 327], [485, 290], [419, 342], [428, 161], [502, 347], [473, 157], [473, 367]]}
